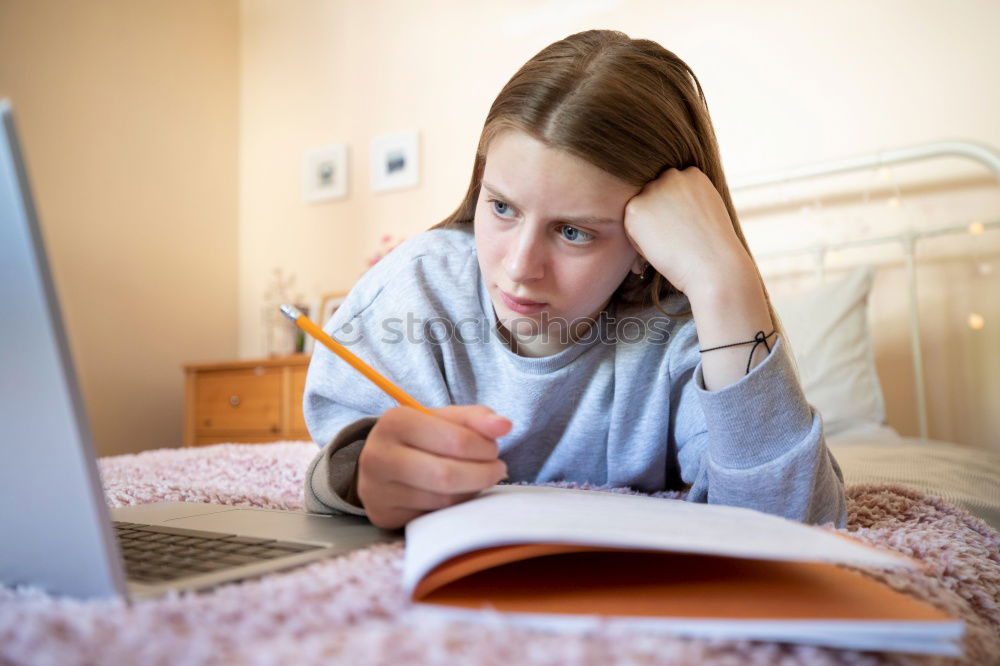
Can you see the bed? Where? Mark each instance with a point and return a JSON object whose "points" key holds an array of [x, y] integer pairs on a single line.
{"points": [[936, 501]]}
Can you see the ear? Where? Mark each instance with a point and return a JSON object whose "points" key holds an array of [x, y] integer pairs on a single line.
{"points": [[639, 265]]}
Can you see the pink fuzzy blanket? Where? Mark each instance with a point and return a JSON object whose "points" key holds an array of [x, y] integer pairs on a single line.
{"points": [[351, 609]]}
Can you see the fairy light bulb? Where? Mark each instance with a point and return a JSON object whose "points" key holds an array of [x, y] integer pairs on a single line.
{"points": [[976, 321], [884, 173], [976, 228], [893, 202]]}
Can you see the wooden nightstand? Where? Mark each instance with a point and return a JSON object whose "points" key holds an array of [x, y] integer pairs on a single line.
{"points": [[245, 401]]}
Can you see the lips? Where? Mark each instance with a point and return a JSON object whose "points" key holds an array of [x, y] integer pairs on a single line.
{"points": [[521, 305]]}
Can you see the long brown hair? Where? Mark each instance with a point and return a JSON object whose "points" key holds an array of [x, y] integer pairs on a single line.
{"points": [[627, 106]]}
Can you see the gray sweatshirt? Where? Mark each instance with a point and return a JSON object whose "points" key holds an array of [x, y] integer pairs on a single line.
{"points": [[625, 406]]}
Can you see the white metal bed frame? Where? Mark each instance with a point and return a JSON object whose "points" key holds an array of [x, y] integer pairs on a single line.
{"points": [[978, 152]]}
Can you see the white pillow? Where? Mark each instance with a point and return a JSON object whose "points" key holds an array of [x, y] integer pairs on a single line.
{"points": [[828, 330]]}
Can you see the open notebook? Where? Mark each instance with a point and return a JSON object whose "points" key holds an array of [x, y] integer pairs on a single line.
{"points": [[555, 557]]}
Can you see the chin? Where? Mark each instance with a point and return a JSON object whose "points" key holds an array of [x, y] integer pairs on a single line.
{"points": [[521, 325]]}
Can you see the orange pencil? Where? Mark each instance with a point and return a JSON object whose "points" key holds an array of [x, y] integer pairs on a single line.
{"points": [[340, 350]]}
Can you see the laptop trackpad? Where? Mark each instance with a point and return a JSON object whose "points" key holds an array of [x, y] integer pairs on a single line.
{"points": [[343, 531]]}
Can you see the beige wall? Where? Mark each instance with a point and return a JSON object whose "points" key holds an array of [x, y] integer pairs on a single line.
{"points": [[128, 116], [787, 83]]}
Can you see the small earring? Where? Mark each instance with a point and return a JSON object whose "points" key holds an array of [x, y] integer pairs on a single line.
{"points": [[645, 269]]}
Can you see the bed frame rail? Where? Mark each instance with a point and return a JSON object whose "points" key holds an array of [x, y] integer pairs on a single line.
{"points": [[982, 153]]}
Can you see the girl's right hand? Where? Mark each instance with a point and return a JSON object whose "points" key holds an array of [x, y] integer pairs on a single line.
{"points": [[413, 463]]}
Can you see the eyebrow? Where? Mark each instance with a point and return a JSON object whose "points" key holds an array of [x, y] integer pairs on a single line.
{"points": [[577, 219]]}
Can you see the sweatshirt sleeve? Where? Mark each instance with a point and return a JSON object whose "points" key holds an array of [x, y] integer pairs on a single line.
{"points": [[340, 409], [340, 406], [756, 443], [331, 478]]}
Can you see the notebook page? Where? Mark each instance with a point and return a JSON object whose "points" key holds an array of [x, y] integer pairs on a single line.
{"points": [[538, 514]]}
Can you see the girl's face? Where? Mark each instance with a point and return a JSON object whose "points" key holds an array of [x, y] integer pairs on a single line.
{"points": [[550, 236]]}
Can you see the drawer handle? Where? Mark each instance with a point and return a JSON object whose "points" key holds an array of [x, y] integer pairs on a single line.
{"points": [[234, 400]]}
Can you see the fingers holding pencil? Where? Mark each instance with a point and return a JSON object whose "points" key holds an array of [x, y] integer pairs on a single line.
{"points": [[415, 459], [414, 462]]}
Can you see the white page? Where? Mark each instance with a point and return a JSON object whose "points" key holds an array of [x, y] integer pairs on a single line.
{"points": [[505, 515]]}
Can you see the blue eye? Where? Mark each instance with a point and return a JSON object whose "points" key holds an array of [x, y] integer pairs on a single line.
{"points": [[500, 208], [574, 235]]}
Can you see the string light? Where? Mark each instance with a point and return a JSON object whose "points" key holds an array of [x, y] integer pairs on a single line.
{"points": [[884, 173], [893, 202], [976, 321]]}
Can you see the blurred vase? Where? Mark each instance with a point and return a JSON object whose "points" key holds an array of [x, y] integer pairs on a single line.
{"points": [[279, 331]]}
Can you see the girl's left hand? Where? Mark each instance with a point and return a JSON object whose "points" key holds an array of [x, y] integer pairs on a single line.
{"points": [[679, 224]]}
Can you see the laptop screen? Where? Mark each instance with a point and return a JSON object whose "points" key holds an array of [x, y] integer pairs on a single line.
{"points": [[56, 528]]}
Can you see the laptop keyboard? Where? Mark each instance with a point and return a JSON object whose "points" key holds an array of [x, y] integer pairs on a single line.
{"points": [[155, 553]]}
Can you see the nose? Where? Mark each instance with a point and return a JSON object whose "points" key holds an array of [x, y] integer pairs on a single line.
{"points": [[525, 257]]}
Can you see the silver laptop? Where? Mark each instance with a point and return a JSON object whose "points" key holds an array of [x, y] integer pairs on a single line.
{"points": [[57, 531]]}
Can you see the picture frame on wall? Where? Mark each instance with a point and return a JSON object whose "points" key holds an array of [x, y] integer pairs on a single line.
{"points": [[395, 161], [324, 173], [327, 305]]}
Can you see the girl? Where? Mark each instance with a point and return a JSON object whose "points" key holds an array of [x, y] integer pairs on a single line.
{"points": [[595, 289]]}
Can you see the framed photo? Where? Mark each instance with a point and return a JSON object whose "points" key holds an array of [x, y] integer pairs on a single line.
{"points": [[395, 161], [328, 304], [324, 173]]}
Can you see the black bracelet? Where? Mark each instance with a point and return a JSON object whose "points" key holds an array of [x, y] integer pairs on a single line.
{"points": [[758, 339]]}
